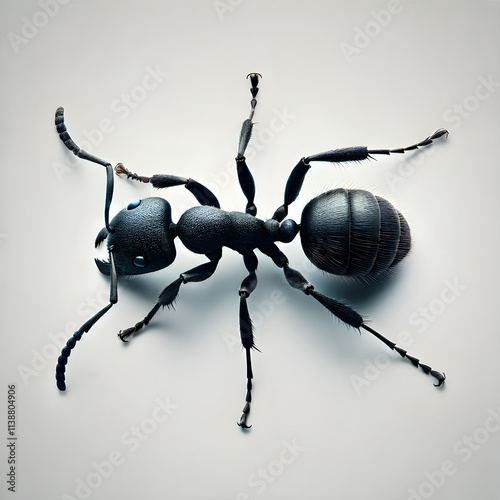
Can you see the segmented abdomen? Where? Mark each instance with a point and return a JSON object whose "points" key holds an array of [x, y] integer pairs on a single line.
{"points": [[351, 232]]}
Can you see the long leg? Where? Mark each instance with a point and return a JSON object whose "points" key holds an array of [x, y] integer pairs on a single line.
{"points": [[161, 181], [70, 144], [70, 344], [169, 295], [244, 175], [359, 153], [345, 313], [246, 330]]}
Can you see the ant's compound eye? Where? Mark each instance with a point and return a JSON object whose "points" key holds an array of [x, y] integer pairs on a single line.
{"points": [[133, 205], [140, 261]]}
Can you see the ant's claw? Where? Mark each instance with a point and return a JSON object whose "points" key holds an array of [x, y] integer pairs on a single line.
{"points": [[124, 334], [243, 420], [254, 78], [121, 170], [441, 377]]}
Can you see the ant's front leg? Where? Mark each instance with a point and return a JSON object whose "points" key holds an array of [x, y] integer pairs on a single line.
{"points": [[169, 295]]}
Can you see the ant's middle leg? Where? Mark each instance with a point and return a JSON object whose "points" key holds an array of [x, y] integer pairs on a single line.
{"points": [[247, 286], [244, 175]]}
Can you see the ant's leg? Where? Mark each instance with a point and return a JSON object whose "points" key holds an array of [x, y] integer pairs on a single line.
{"points": [[62, 361], [169, 295], [71, 145], [161, 181], [246, 329], [359, 153], [244, 176], [345, 313]]}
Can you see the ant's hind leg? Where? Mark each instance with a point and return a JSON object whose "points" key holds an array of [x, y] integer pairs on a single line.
{"points": [[350, 317], [352, 154]]}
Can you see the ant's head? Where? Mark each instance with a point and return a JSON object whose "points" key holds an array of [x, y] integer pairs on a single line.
{"points": [[141, 238]]}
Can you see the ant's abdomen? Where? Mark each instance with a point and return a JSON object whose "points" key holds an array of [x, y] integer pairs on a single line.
{"points": [[351, 232]]}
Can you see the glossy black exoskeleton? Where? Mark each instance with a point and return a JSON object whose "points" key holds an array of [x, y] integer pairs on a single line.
{"points": [[348, 232]]}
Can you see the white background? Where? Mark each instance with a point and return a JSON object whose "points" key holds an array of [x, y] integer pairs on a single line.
{"points": [[362, 422]]}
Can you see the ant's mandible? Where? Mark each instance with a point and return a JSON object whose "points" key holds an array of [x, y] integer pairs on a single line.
{"points": [[347, 232]]}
